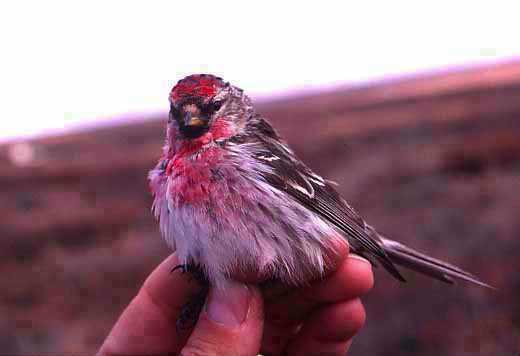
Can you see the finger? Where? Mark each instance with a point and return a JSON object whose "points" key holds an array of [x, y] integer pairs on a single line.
{"points": [[231, 323], [352, 279], [335, 254], [148, 324], [282, 316], [329, 330], [276, 337]]}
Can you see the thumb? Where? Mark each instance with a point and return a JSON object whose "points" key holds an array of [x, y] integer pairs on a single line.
{"points": [[230, 324]]}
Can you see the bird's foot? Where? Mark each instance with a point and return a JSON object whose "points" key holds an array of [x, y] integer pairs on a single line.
{"points": [[194, 270], [191, 310]]}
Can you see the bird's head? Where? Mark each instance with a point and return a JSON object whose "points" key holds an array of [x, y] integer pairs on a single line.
{"points": [[203, 103]]}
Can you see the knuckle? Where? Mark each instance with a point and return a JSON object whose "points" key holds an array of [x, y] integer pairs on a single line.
{"points": [[200, 347]]}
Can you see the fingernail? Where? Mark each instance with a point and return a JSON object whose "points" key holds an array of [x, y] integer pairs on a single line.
{"points": [[359, 258], [229, 306]]}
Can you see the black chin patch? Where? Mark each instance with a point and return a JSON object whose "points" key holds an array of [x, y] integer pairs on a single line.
{"points": [[193, 131]]}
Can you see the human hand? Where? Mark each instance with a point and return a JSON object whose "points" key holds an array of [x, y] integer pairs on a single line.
{"points": [[320, 319]]}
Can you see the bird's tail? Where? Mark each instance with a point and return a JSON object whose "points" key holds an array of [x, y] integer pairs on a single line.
{"points": [[419, 262]]}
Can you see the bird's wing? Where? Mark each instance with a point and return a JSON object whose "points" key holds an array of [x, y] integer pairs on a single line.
{"points": [[287, 173]]}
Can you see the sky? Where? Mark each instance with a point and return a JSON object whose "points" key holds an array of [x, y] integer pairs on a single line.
{"points": [[71, 64]]}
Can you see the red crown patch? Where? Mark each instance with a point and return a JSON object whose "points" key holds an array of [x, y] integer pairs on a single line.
{"points": [[197, 85]]}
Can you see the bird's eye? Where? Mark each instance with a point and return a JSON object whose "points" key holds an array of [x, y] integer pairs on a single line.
{"points": [[216, 105]]}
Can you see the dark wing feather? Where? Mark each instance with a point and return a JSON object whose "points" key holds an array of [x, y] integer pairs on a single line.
{"points": [[292, 176]]}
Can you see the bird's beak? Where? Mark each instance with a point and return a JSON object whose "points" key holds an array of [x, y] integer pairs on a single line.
{"points": [[193, 121]]}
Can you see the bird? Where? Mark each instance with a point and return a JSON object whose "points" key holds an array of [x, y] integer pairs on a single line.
{"points": [[230, 196]]}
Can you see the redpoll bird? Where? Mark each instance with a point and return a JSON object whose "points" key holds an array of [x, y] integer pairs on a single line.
{"points": [[232, 196]]}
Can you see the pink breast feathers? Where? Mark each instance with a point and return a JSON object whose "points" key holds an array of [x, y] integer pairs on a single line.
{"points": [[194, 178]]}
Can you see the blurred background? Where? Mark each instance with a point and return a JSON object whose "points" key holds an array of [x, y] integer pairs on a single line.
{"points": [[413, 109]]}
